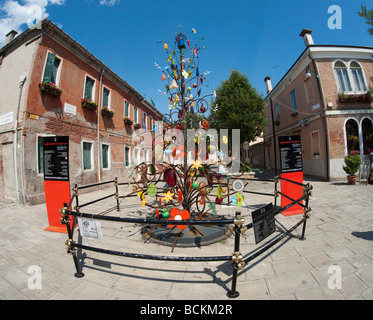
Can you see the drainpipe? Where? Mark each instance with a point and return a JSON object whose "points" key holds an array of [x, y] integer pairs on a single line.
{"points": [[325, 120], [22, 80], [98, 126]]}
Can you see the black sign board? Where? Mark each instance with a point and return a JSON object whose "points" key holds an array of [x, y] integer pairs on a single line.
{"points": [[56, 158], [291, 154], [263, 222]]}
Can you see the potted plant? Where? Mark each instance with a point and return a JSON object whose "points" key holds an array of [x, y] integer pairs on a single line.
{"points": [[128, 120], [352, 165], [89, 104], [137, 126], [50, 87], [105, 111]]}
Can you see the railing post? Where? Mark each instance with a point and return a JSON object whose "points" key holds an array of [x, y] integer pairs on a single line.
{"points": [[116, 192], [69, 242], [307, 210], [237, 263]]}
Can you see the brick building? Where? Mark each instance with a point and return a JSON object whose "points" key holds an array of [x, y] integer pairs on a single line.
{"points": [[324, 98], [100, 144]]}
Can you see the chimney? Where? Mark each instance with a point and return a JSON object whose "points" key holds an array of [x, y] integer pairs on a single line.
{"points": [[306, 34], [268, 82], [9, 37]]}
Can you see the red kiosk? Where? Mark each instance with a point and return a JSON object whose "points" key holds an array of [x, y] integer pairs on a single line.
{"points": [[292, 170], [56, 179]]}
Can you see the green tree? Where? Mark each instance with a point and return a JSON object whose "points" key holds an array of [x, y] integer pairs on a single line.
{"points": [[238, 106], [368, 16]]}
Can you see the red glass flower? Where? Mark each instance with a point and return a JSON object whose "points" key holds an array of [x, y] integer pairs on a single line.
{"points": [[176, 215], [178, 152]]}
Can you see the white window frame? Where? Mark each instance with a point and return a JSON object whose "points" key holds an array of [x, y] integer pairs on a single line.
{"points": [[336, 76], [129, 156], [151, 123], [109, 156], [93, 89], [144, 114], [305, 89], [353, 84], [137, 115], [124, 109], [92, 154], [109, 100], [312, 146]]}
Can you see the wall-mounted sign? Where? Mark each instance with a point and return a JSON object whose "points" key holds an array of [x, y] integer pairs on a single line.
{"points": [[291, 154], [69, 108], [6, 118], [263, 222], [56, 158]]}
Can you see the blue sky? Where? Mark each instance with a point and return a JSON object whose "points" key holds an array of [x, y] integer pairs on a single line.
{"points": [[259, 38]]}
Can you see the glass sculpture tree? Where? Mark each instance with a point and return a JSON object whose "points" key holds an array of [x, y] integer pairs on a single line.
{"points": [[193, 188]]}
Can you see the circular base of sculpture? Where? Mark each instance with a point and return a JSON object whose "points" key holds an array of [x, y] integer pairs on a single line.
{"points": [[189, 237]]}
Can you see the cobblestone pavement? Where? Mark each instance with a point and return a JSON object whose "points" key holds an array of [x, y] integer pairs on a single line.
{"points": [[334, 262]]}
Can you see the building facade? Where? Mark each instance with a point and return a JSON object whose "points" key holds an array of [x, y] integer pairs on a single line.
{"points": [[50, 85], [325, 98]]}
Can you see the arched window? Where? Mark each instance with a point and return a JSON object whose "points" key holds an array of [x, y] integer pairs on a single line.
{"points": [[343, 80], [358, 77], [352, 134], [367, 129]]}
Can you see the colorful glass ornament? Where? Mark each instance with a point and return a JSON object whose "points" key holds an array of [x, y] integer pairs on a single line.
{"points": [[151, 190], [165, 214], [170, 177]]}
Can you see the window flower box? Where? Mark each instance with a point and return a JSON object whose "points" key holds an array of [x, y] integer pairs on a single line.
{"points": [[128, 121], [354, 97], [50, 88], [137, 126], [86, 103], [105, 111]]}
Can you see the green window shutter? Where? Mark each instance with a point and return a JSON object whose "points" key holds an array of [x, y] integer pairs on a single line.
{"points": [[48, 72], [127, 156], [89, 83], [105, 98], [105, 154], [126, 114], [54, 70], [87, 155], [135, 114]]}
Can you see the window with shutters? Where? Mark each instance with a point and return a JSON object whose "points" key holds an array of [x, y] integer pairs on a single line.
{"points": [[106, 98], [294, 104], [87, 155], [127, 156], [89, 88], [135, 118], [105, 156], [126, 109], [52, 68]]}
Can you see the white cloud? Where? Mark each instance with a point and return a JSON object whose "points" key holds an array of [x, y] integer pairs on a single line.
{"points": [[109, 3], [15, 14]]}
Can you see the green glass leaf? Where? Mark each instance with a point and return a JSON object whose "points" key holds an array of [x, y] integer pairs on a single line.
{"points": [[219, 192]]}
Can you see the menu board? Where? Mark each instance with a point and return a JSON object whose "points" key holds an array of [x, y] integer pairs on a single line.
{"points": [[291, 154], [56, 158], [263, 222]]}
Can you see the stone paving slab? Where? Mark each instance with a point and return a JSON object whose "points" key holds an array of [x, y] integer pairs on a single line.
{"points": [[339, 234]]}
